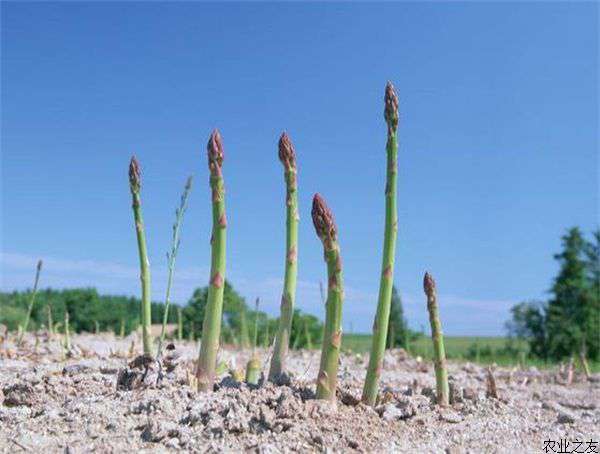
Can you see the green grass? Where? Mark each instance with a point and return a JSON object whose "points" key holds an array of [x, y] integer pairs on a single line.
{"points": [[458, 348]]}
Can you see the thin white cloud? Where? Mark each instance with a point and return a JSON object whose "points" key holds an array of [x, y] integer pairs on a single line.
{"points": [[460, 315]]}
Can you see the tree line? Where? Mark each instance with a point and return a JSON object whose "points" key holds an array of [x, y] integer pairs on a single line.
{"points": [[90, 311], [568, 323]]}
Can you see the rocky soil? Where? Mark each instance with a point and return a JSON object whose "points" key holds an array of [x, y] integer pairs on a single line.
{"points": [[90, 400]]}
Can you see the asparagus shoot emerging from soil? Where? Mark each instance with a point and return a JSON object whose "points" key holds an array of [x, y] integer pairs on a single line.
{"points": [[67, 340], [211, 328], [244, 336], [175, 242], [253, 366], [179, 325], [31, 301], [439, 355], [382, 316], [50, 321], [287, 156], [135, 185], [332, 334]]}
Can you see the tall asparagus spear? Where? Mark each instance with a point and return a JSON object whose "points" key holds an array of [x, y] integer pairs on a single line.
{"points": [[211, 328], [439, 355], [31, 301], [135, 184], [253, 365], [179, 325], [332, 335], [175, 241], [287, 156], [380, 326]]}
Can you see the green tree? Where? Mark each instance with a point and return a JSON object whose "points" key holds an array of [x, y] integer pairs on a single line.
{"points": [[592, 310], [398, 332], [528, 323], [568, 309]]}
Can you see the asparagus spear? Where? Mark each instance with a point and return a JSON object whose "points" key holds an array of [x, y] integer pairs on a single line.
{"points": [[332, 336], [439, 355], [253, 366], [287, 156], [31, 301], [211, 328], [380, 325], [135, 183]]}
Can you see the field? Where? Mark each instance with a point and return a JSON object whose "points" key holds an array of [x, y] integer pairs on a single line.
{"points": [[93, 399], [460, 348]]}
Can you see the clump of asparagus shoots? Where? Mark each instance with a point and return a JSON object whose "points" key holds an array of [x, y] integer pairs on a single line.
{"points": [[332, 335], [135, 185], [287, 156], [253, 366], [31, 301], [439, 355], [211, 328], [380, 325], [171, 255]]}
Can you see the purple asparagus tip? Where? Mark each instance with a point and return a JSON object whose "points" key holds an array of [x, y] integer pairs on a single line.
{"points": [[323, 219], [428, 284], [287, 154], [39, 265], [215, 151], [135, 175], [391, 107]]}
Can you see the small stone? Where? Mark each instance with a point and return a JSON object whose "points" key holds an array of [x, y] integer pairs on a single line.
{"points": [[390, 412], [18, 394], [75, 369], [451, 417], [565, 417]]}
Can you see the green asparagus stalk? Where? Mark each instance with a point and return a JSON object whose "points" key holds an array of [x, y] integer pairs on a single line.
{"points": [[122, 328], [175, 242], [211, 328], [96, 327], [31, 301], [179, 325], [309, 345], [67, 340], [135, 187], [439, 355], [267, 338], [50, 321], [332, 335], [287, 156], [380, 325], [244, 336], [253, 366]]}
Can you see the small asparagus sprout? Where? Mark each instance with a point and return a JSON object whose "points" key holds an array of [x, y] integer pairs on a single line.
{"points": [[135, 183], [380, 325], [584, 363], [122, 328], [211, 328], [50, 321], [332, 334], [439, 355], [179, 325], [31, 301], [244, 336], [67, 340], [96, 327], [253, 366], [175, 242], [287, 156], [491, 390], [307, 337]]}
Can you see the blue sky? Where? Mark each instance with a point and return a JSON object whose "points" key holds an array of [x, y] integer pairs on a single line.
{"points": [[498, 154]]}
